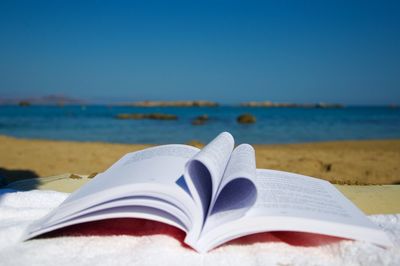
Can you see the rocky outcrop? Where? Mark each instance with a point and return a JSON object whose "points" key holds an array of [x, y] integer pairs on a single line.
{"points": [[24, 103], [328, 105], [200, 120], [246, 118], [154, 116], [291, 105], [174, 104], [257, 104]]}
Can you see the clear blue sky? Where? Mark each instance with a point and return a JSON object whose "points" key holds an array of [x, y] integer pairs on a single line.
{"points": [[228, 51]]}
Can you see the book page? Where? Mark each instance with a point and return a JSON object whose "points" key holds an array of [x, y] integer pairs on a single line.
{"points": [[242, 163], [237, 191], [162, 165], [206, 168], [292, 202], [288, 194], [154, 172], [131, 211], [203, 175]]}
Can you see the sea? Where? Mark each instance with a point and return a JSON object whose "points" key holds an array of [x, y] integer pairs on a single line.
{"points": [[273, 125]]}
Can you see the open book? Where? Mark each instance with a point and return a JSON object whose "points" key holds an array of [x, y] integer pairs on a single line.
{"points": [[214, 194]]}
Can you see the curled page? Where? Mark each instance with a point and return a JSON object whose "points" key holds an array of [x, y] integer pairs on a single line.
{"points": [[203, 175], [237, 192]]}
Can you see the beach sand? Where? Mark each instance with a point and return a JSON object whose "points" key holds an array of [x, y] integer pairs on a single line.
{"points": [[342, 162]]}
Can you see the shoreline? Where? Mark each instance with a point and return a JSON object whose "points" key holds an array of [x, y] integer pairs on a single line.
{"points": [[341, 162]]}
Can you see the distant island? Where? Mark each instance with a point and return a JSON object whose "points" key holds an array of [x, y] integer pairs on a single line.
{"points": [[173, 104], [291, 105], [58, 100], [61, 100]]}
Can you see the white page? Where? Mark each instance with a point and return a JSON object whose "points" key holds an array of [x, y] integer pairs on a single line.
{"points": [[203, 175], [288, 194], [292, 202], [154, 172], [215, 157], [143, 201], [237, 192], [242, 163], [162, 164], [141, 212]]}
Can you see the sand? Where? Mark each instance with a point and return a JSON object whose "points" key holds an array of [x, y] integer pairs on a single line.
{"points": [[349, 162], [342, 162], [43, 164]]}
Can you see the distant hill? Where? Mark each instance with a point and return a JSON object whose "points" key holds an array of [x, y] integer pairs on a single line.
{"points": [[45, 100]]}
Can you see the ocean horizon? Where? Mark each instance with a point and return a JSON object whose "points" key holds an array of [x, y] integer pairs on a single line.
{"points": [[273, 125]]}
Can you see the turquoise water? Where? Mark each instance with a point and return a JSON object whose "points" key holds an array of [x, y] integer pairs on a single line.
{"points": [[274, 125]]}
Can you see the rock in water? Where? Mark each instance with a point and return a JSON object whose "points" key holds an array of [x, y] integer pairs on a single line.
{"points": [[155, 116], [200, 120], [246, 118], [159, 116], [24, 103], [129, 116]]}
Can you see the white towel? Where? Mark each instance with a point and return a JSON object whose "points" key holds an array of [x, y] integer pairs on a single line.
{"points": [[19, 209]]}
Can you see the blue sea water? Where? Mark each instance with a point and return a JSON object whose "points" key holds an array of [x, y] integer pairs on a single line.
{"points": [[274, 125]]}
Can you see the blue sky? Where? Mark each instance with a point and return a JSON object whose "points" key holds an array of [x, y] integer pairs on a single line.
{"points": [[228, 51]]}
